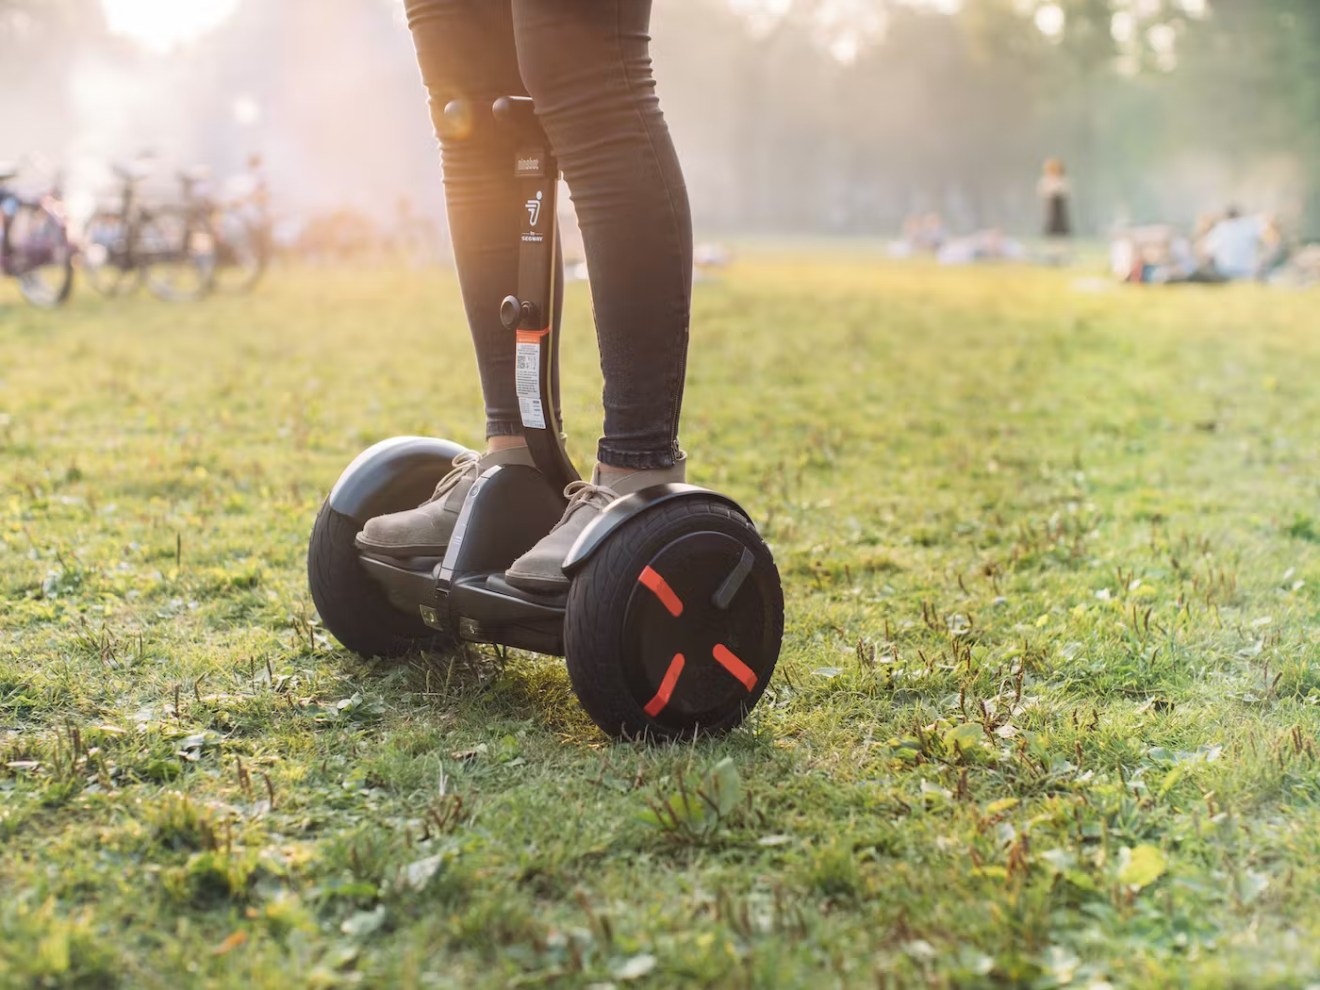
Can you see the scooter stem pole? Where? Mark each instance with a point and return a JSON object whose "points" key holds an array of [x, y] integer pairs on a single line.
{"points": [[530, 313]]}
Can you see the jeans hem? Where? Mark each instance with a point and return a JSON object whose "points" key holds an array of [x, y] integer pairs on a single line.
{"points": [[502, 428], [638, 460]]}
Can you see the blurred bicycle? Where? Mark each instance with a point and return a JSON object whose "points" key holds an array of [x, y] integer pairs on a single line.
{"points": [[34, 243], [240, 222], [171, 247]]}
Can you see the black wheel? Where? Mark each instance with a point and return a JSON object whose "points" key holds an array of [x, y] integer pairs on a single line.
{"points": [[352, 606], [673, 627], [106, 258], [177, 250], [44, 255]]}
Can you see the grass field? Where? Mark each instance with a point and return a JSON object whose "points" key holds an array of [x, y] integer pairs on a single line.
{"points": [[1047, 711]]}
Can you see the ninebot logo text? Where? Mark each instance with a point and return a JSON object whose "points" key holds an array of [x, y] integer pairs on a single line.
{"points": [[534, 209], [528, 164]]}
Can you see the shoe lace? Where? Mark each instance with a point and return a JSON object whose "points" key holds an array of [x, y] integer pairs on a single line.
{"points": [[466, 464], [584, 493]]}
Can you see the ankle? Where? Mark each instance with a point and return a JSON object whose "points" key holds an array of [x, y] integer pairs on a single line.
{"points": [[607, 474], [625, 480], [495, 444]]}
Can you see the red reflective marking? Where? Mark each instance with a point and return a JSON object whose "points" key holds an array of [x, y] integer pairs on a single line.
{"points": [[725, 658], [662, 591], [531, 336], [657, 704]]}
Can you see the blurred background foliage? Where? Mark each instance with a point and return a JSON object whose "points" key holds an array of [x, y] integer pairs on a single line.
{"points": [[810, 116]]}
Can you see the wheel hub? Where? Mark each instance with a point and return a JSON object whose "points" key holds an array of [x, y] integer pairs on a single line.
{"points": [[697, 630]]}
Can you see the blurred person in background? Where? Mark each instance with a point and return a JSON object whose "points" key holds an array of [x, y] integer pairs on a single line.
{"points": [[923, 233], [984, 245], [1054, 194], [1157, 253], [1241, 247], [587, 66]]}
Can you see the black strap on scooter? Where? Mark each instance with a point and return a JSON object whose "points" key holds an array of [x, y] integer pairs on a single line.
{"points": [[529, 314]]}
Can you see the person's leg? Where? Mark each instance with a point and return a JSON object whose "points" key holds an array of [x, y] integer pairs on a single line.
{"points": [[587, 66], [465, 49]]}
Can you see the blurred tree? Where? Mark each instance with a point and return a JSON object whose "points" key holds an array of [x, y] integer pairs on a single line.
{"points": [[41, 41], [1247, 85], [839, 115]]}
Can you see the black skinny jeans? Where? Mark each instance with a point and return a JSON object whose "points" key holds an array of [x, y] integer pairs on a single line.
{"points": [[586, 64]]}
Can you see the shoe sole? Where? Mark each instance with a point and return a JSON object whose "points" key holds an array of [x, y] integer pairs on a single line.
{"points": [[402, 552], [537, 584], [523, 582]]}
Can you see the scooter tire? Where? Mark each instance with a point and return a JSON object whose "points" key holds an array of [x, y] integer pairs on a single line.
{"points": [[353, 607], [623, 642]]}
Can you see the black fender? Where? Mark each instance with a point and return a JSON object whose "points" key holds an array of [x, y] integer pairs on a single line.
{"points": [[394, 474], [619, 512]]}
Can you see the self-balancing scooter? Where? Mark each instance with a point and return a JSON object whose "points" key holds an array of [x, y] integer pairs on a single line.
{"points": [[672, 623]]}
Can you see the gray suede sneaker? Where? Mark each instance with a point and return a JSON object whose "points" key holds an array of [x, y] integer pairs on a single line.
{"points": [[425, 530], [540, 569]]}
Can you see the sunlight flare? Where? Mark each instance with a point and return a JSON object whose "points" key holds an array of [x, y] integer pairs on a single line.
{"points": [[162, 25]]}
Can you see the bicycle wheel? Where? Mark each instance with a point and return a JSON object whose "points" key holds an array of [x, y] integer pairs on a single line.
{"points": [[44, 258], [240, 256], [177, 251], [106, 259]]}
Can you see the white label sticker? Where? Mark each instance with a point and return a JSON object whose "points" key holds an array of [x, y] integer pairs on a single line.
{"points": [[529, 384]]}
